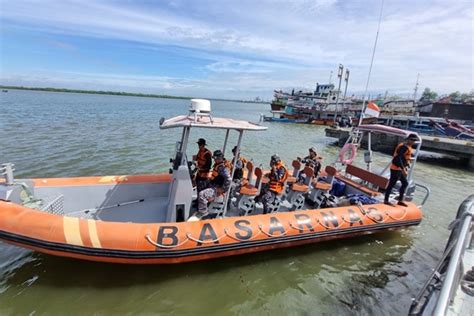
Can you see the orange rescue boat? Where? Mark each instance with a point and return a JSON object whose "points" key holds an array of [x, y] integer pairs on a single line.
{"points": [[143, 219]]}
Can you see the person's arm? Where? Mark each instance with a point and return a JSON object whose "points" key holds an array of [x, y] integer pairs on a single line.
{"points": [[404, 163], [239, 164], [274, 173], [280, 173], [224, 172], [399, 159], [402, 153], [208, 164]]}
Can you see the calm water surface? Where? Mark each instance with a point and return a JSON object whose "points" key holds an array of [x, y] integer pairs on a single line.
{"points": [[65, 134]]}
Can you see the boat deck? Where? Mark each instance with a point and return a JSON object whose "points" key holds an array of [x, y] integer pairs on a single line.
{"points": [[148, 211]]}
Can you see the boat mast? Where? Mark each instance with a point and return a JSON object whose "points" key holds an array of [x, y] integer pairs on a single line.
{"points": [[346, 79], [416, 89], [371, 63], [340, 71]]}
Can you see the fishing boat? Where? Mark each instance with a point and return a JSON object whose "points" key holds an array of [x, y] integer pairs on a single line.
{"points": [[453, 129], [421, 128], [146, 219]]}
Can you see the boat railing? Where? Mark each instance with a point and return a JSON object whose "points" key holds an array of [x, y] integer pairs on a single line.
{"points": [[427, 193], [456, 267], [438, 291]]}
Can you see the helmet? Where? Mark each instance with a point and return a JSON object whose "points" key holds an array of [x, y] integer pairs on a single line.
{"points": [[218, 154], [275, 158], [313, 149]]}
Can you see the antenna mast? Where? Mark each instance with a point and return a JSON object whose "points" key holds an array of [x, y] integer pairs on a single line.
{"points": [[416, 88], [371, 63]]}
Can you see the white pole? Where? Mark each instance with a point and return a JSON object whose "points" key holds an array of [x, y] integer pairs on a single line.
{"points": [[226, 197], [339, 75], [346, 79], [371, 63]]}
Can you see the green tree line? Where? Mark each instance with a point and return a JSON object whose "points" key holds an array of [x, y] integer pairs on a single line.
{"points": [[430, 95], [147, 95]]}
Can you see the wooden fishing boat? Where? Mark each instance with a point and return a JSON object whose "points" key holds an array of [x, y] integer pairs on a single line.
{"points": [[144, 219]]}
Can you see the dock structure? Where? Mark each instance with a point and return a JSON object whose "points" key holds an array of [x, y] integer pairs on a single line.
{"points": [[463, 149]]}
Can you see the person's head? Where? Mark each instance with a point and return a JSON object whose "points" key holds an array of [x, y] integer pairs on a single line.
{"points": [[201, 142], [234, 151], [218, 156], [274, 160], [312, 152], [412, 139]]}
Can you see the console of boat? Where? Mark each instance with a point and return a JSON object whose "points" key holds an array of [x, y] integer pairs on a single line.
{"points": [[144, 219]]}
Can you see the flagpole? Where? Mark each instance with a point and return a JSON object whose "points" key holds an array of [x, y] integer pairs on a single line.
{"points": [[371, 63]]}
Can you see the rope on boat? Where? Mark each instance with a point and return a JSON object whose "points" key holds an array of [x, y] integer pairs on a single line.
{"points": [[204, 241], [325, 226], [237, 238], [148, 238], [270, 235], [367, 214], [350, 222], [399, 218], [300, 229]]}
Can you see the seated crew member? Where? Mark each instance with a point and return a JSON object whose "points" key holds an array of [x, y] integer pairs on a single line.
{"points": [[203, 164], [239, 165], [277, 176], [312, 161], [399, 168], [218, 184]]}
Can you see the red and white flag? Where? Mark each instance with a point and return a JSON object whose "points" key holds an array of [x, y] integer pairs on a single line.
{"points": [[372, 110]]}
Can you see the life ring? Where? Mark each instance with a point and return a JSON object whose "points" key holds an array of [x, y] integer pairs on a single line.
{"points": [[352, 155]]}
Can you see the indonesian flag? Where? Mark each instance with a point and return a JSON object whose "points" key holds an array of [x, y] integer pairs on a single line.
{"points": [[372, 110]]}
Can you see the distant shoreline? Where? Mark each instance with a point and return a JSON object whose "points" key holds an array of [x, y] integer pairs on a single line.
{"points": [[128, 94]]}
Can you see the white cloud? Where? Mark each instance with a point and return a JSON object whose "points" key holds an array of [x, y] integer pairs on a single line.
{"points": [[279, 44]]}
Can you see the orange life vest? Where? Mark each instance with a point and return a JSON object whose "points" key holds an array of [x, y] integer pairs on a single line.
{"points": [[278, 185], [202, 162], [406, 156], [215, 172]]}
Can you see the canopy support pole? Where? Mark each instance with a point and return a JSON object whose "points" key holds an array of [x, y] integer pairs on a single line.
{"points": [[226, 198], [225, 141]]}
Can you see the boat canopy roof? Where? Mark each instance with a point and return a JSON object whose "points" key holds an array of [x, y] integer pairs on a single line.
{"points": [[210, 122], [378, 128]]}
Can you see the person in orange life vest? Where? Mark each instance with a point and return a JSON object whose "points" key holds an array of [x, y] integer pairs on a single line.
{"points": [[399, 168], [203, 164], [219, 183], [277, 176]]}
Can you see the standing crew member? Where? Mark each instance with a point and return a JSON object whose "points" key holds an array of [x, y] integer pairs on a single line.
{"points": [[203, 163], [277, 176], [399, 168], [219, 183]]}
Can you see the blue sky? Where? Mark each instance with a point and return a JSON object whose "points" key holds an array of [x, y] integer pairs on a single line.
{"points": [[235, 49]]}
